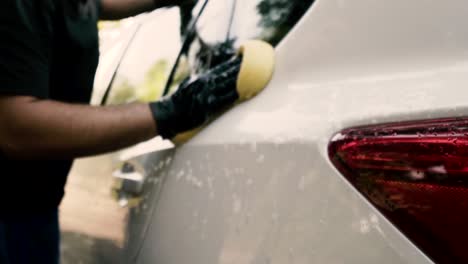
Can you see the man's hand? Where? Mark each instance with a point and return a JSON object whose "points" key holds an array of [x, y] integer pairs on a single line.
{"points": [[195, 102], [44, 129]]}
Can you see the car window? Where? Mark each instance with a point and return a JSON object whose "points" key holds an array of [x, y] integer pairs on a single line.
{"points": [[226, 24], [148, 61], [269, 20]]}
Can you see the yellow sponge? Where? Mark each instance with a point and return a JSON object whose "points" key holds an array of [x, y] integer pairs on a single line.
{"points": [[258, 64]]}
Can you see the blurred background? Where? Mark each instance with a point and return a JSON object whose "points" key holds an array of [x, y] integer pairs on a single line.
{"points": [[92, 221], [143, 50]]}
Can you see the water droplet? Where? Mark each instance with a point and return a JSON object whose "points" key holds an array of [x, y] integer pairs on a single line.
{"points": [[291, 254], [156, 181], [210, 181], [180, 175], [249, 182], [198, 183], [239, 170], [302, 183], [247, 218], [232, 182], [417, 175], [364, 226], [237, 207], [261, 159], [274, 217], [123, 202], [278, 141], [253, 147], [374, 219]]}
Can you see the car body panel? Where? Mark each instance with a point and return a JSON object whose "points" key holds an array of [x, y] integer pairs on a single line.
{"points": [[141, 216], [256, 185]]}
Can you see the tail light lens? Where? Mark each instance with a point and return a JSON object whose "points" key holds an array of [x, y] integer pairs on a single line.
{"points": [[416, 174]]}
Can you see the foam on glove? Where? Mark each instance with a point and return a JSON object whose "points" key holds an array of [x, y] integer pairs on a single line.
{"points": [[198, 101]]}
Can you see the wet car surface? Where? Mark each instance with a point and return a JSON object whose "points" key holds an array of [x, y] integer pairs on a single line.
{"points": [[258, 185]]}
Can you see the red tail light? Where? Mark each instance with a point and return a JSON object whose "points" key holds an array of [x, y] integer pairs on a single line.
{"points": [[416, 174]]}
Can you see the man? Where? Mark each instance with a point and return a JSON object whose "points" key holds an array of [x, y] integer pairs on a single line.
{"points": [[48, 58]]}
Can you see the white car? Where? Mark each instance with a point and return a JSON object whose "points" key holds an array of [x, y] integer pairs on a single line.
{"points": [[330, 163]]}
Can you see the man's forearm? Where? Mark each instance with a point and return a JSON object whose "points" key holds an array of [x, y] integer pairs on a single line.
{"points": [[118, 9], [43, 129]]}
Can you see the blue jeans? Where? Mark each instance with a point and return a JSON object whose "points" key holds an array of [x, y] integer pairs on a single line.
{"points": [[31, 239]]}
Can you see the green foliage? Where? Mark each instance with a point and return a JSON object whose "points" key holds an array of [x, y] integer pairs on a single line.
{"points": [[122, 93], [149, 90], [154, 83]]}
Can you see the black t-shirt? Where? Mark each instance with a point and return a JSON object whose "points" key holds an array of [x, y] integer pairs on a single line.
{"points": [[49, 50]]}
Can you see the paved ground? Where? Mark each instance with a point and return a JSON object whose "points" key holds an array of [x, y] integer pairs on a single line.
{"points": [[92, 223]]}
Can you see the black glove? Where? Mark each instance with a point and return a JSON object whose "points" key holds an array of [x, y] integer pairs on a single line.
{"points": [[196, 101]]}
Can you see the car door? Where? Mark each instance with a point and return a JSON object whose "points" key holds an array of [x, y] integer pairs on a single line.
{"points": [[198, 169], [140, 73]]}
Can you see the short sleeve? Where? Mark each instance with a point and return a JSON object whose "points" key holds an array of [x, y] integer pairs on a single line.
{"points": [[25, 47]]}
